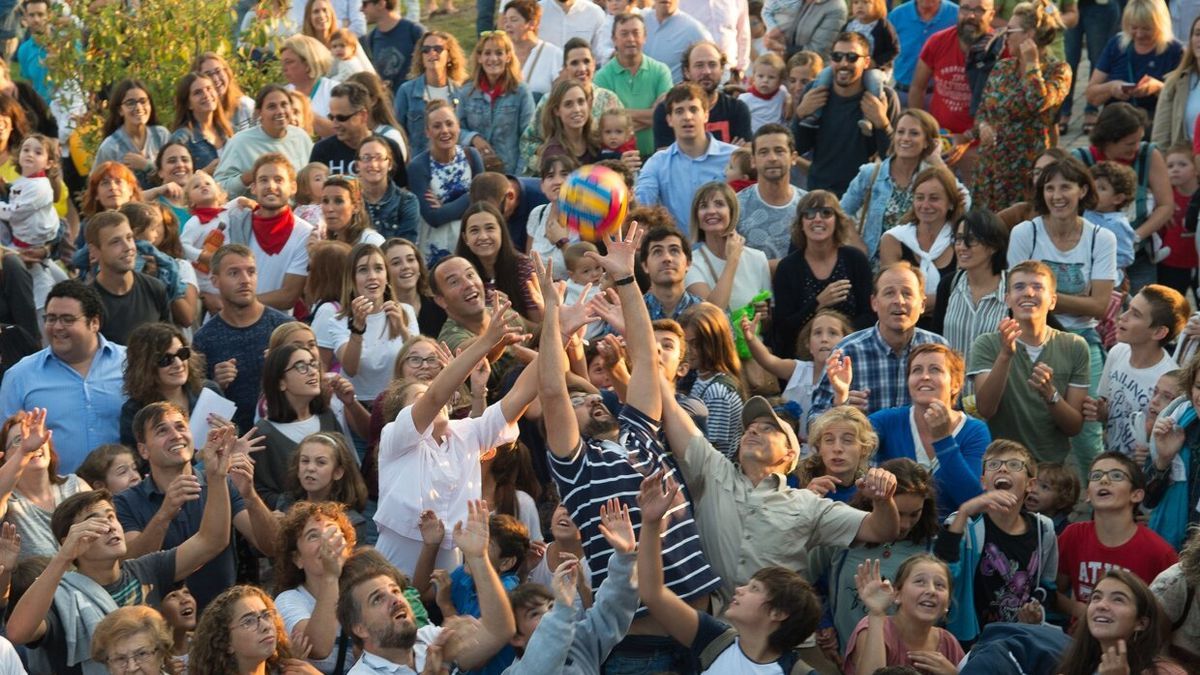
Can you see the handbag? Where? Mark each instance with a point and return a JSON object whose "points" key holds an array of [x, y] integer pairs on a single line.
{"points": [[866, 207]]}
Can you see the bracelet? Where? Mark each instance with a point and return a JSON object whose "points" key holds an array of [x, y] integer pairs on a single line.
{"points": [[624, 282], [353, 330]]}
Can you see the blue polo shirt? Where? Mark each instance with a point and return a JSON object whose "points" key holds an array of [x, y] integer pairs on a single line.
{"points": [[138, 504], [83, 412], [671, 178], [913, 31]]}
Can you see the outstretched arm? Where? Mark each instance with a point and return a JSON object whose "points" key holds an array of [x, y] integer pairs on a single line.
{"points": [[655, 499], [495, 611], [562, 437]]}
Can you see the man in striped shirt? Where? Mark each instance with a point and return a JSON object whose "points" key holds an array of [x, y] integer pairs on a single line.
{"points": [[599, 458]]}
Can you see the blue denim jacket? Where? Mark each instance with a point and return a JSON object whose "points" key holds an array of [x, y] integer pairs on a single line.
{"points": [[396, 214], [409, 105], [203, 152], [499, 123]]}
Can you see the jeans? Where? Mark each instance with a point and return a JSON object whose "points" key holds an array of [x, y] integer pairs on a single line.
{"points": [[485, 15], [873, 81], [638, 654], [1097, 24]]}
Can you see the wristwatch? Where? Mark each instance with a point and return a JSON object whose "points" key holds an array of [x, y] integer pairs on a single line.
{"points": [[1053, 400]]}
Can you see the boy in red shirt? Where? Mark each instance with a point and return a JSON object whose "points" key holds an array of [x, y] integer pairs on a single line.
{"points": [[1178, 269], [1086, 550]]}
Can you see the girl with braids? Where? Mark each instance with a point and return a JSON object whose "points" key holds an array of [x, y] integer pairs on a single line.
{"points": [[241, 633], [1126, 631]]}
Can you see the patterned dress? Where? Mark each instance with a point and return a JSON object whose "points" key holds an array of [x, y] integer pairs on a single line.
{"points": [[1022, 108]]}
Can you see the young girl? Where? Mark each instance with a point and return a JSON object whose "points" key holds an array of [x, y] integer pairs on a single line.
{"points": [[816, 342], [1126, 631], [29, 211], [844, 443], [712, 355], [324, 469], [204, 233], [545, 235], [1053, 493], [309, 182], [348, 56], [111, 466], [616, 134], [911, 637], [511, 487], [178, 609]]}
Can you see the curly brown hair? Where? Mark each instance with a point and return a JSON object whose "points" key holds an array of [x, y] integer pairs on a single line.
{"points": [[211, 649], [147, 344], [288, 573]]}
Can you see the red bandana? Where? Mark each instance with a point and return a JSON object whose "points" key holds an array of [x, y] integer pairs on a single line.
{"points": [[493, 91], [765, 97], [206, 213], [273, 232]]}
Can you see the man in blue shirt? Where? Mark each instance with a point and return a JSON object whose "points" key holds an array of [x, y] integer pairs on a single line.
{"points": [[391, 43], [31, 54], [669, 32], [914, 22], [665, 258], [79, 378], [672, 175]]}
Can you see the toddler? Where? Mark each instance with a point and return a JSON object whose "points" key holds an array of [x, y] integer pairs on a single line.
{"points": [[204, 232], [309, 182], [869, 19], [767, 99], [1115, 187], [29, 212], [348, 58], [616, 134], [581, 271], [110, 466], [740, 173], [1053, 493], [1176, 268]]}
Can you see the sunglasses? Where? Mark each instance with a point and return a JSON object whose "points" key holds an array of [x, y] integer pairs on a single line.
{"points": [[167, 359], [433, 49], [343, 118], [823, 212], [848, 57]]}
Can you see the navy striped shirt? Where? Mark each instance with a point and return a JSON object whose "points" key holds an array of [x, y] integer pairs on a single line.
{"points": [[601, 469]]}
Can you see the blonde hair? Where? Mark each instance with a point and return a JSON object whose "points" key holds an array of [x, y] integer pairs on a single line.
{"points": [[304, 195], [776, 61], [852, 417], [1042, 18], [1153, 13], [124, 623], [312, 52], [193, 180], [878, 9], [347, 37], [512, 73]]}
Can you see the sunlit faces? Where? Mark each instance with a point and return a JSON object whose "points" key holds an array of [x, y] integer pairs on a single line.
{"points": [[528, 619], [751, 605], [1112, 612], [909, 140], [819, 223], [168, 441], [841, 451], [237, 280], [303, 338], [117, 250], [515, 25], [308, 546], [460, 289], [33, 157], [1134, 324], [1165, 390], [421, 362], [293, 68], [925, 593], [854, 62], [704, 67], [615, 131], [931, 204], [321, 17], [371, 278], [1107, 200], [71, 335], [252, 635], [337, 206], [1041, 498], [666, 261], [799, 78], [39, 459], [1038, 166], [763, 443], [374, 163], [441, 126], [974, 19], [215, 71], [687, 118], [574, 109], [669, 354], [482, 234], [275, 112], [592, 416], [929, 379], [969, 251], [1144, 36], [1110, 487], [202, 190], [1181, 169], [1007, 471], [179, 609], [629, 37], [341, 51], [580, 64], [826, 332], [1124, 149], [435, 55], [404, 265], [111, 545], [385, 621], [898, 300], [767, 78], [598, 374], [349, 122], [136, 107], [274, 186], [1030, 296], [113, 192], [175, 165], [714, 214], [586, 271], [35, 16], [494, 58], [302, 376], [135, 654], [772, 157], [202, 96], [122, 473]]}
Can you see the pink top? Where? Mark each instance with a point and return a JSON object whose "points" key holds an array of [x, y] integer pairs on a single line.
{"points": [[897, 651]]}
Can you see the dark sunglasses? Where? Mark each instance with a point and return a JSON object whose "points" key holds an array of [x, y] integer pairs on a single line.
{"points": [[848, 57], [433, 49], [184, 354], [343, 118], [965, 239], [823, 211]]}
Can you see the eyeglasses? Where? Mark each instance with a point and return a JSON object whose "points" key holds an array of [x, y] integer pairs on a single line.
{"points": [[582, 399], [848, 57], [434, 49], [1114, 475], [823, 212], [252, 621], [966, 240], [343, 118], [132, 103], [372, 159], [1011, 464], [67, 320], [304, 367], [137, 658], [167, 359], [415, 361]]}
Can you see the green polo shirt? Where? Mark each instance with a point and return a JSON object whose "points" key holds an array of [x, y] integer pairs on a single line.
{"points": [[637, 91]]}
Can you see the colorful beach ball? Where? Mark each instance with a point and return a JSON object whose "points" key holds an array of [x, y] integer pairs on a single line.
{"points": [[593, 201]]}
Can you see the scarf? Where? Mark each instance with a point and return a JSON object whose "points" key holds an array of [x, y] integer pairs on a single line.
{"points": [[493, 91], [273, 232], [907, 235], [206, 213], [759, 94]]}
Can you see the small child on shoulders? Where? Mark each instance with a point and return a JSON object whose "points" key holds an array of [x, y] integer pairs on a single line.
{"points": [[348, 56], [768, 99], [1116, 185]]}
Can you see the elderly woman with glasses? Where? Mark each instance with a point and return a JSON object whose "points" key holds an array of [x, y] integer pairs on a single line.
{"points": [[161, 367], [134, 639]]}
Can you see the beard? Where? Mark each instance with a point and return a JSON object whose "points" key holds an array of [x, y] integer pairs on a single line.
{"points": [[600, 428], [391, 637]]}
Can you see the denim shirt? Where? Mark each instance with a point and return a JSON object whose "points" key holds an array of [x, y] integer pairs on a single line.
{"points": [[396, 214], [409, 105], [118, 144], [500, 123], [203, 152]]}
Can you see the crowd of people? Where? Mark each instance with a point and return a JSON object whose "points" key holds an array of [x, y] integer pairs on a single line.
{"points": [[879, 375]]}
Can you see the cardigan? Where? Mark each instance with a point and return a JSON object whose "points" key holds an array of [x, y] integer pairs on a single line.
{"points": [[271, 465]]}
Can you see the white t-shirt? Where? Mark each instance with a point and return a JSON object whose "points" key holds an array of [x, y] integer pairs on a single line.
{"points": [[733, 661], [800, 389], [1093, 258], [323, 323], [319, 96], [377, 359], [292, 259], [542, 66], [297, 431], [371, 664], [1128, 390], [296, 605], [753, 275], [535, 232]]}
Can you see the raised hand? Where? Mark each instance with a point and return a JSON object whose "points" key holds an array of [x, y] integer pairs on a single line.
{"points": [[1168, 439], [472, 537], [360, 308], [937, 419], [578, 314], [1009, 329], [657, 496], [241, 473], [840, 372], [616, 526], [565, 579], [480, 375], [332, 552], [621, 252], [10, 547], [82, 535], [1114, 660], [33, 432], [183, 488], [878, 484], [498, 330], [441, 586], [607, 306], [433, 530], [1042, 381], [876, 593]]}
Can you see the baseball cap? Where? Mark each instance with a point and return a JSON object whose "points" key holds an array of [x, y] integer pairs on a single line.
{"points": [[758, 407]]}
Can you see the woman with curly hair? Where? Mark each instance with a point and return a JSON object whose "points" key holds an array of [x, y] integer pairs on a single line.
{"points": [[439, 69], [160, 366], [315, 538], [713, 356], [133, 639], [132, 134], [241, 632]]}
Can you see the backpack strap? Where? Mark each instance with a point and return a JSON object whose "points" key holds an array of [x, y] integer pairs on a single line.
{"points": [[791, 664], [713, 649], [1187, 608]]}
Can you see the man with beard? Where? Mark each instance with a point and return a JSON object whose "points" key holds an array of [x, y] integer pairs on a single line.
{"points": [[768, 207], [130, 298], [233, 340], [670, 33], [1030, 379], [373, 609], [166, 508], [944, 61], [272, 134], [457, 288], [728, 118], [878, 356], [672, 175], [838, 143], [92, 574], [602, 457]]}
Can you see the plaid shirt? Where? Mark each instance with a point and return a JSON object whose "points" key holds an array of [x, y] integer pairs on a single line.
{"points": [[876, 367], [656, 308]]}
